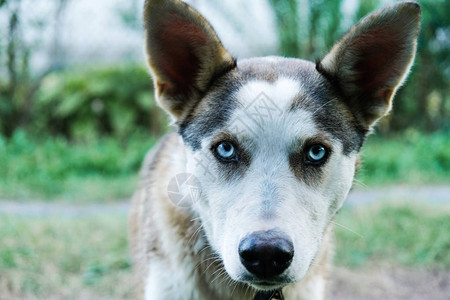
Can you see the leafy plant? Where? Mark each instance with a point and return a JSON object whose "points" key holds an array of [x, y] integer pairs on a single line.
{"points": [[87, 104]]}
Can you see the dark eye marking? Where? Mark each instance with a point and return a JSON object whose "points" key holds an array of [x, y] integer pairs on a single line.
{"points": [[307, 161], [232, 157]]}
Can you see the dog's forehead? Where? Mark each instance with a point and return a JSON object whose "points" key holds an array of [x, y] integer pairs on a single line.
{"points": [[265, 113], [272, 67], [261, 91], [271, 99]]}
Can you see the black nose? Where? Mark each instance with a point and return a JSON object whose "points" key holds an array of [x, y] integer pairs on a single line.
{"points": [[266, 253]]}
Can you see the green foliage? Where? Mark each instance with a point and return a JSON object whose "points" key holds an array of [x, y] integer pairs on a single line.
{"points": [[406, 158], [128, 14], [286, 20], [407, 234], [307, 34], [87, 104], [55, 168], [16, 84], [425, 101], [365, 7]]}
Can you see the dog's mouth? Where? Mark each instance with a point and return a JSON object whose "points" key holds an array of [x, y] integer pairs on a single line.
{"points": [[267, 285], [269, 295]]}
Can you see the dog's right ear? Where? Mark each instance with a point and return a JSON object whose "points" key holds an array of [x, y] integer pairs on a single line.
{"points": [[372, 60], [184, 54]]}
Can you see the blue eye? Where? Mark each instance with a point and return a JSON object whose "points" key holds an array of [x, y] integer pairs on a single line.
{"points": [[226, 150], [316, 153]]}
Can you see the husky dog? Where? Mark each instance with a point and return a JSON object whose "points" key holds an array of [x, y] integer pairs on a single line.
{"points": [[267, 148]]}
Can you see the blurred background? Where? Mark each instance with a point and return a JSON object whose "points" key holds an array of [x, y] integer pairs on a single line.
{"points": [[77, 115]]}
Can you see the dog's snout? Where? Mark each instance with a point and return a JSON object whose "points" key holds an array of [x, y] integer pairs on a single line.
{"points": [[266, 254]]}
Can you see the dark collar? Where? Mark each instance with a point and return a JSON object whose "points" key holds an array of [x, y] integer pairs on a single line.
{"points": [[270, 295]]}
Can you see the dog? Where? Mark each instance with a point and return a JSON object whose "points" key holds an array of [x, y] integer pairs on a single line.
{"points": [[237, 202]]}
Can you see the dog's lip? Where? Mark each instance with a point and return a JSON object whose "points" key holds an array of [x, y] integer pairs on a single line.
{"points": [[266, 285]]}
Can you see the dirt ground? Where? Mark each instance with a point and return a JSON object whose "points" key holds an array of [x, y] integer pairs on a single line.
{"points": [[389, 283]]}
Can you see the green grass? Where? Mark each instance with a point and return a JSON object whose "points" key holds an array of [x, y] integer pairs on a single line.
{"points": [[409, 234], [69, 258], [57, 169], [104, 170], [87, 257], [410, 158]]}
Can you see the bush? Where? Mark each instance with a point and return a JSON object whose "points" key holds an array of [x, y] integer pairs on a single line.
{"points": [[87, 104]]}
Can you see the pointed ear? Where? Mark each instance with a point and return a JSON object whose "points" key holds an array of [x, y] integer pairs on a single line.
{"points": [[371, 61], [184, 54]]}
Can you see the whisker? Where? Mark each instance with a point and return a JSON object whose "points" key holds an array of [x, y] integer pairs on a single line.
{"points": [[218, 276], [218, 270], [226, 277], [196, 232], [322, 106], [195, 219], [235, 286], [345, 227], [360, 183], [206, 260], [211, 256], [204, 248], [247, 290], [212, 263]]}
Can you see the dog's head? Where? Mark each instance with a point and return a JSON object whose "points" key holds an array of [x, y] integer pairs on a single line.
{"points": [[274, 141]]}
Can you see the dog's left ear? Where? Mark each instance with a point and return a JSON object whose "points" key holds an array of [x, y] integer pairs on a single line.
{"points": [[371, 61], [184, 54]]}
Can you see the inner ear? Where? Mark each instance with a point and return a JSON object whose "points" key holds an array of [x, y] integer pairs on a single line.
{"points": [[184, 53], [372, 60], [378, 52], [177, 55]]}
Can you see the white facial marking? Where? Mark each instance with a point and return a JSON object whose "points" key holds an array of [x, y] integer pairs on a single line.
{"points": [[281, 91], [265, 112]]}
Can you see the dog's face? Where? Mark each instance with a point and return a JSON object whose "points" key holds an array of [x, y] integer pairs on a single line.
{"points": [[276, 157], [274, 141]]}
